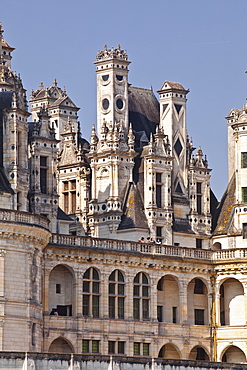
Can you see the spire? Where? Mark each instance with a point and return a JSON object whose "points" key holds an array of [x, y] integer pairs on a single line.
{"points": [[93, 140], [55, 82], [131, 138]]}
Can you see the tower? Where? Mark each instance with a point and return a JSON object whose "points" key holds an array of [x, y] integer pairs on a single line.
{"points": [[58, 104], [157, 179], [173, 121], [112, 87], [15, 129], [43, 194]]}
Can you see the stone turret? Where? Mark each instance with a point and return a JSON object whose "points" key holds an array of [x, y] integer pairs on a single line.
{"points": [[112, 87]]}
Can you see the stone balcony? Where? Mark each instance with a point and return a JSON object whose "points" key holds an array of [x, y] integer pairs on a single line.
{"points": [[8, 215], [128, 246]]}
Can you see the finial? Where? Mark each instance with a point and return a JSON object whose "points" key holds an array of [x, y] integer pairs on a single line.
{"points": [[55, 82], [1, 30], [64, 90], [41, 86]]}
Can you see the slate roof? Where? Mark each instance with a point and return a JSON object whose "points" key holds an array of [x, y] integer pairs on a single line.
{"points": [[222, 214], [5, 186], [182, 225], [144, 110], [134, 216], [61, 215], [172, 85]]}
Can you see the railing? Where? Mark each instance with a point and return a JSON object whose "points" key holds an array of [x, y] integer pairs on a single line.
{"points": [[155, 249], [229, 254], [23, 217]]}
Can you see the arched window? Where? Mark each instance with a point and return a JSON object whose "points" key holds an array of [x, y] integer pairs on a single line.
{"points": [[141, 297], [116, 295], [91, 294]]}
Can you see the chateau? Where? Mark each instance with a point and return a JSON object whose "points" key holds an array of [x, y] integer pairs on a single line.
{"points": [[118, 246]]}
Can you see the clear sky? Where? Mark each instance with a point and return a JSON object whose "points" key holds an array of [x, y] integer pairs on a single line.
{"points": [[201, 44]]}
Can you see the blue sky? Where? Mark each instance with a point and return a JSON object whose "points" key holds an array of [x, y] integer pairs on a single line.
{"points": [[201, 44]]}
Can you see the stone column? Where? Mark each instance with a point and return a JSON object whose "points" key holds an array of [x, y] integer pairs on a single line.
{"points": [[2, 273], [46, 290], [183, 302]]}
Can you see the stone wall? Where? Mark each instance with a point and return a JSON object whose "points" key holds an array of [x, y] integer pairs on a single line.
{"points": [[41, 361]]}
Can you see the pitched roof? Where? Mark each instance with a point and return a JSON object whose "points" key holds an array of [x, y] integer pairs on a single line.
{"points": [[143, 110], [61, 215], [173, 85], [5, 186], [134, 216], [222, 214], [182, 225], [6, 45]]}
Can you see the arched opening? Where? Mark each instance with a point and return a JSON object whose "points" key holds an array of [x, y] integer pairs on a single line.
{"points": [[60, 345], [61, 294], [198, 353], [233, 354], [168, 300], [197, 302], [217, 246], [169, 351], [232, 310]]}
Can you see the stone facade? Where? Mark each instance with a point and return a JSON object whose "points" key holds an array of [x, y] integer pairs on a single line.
{"points": [[118, 246]]}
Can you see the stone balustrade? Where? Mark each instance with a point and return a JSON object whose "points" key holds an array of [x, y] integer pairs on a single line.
{"points": [[230, 254], [23, 217], [154, 249]]}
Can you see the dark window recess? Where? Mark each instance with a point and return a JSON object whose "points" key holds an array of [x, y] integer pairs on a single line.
{"points": [[66, 202], [199, 243], [120, 346], [244, 159], [174, 315], [164, 107], [65, 310], [178, 107], [95, 346], [199, 198], [158, 190], [199, 317], [178, 147], [137, 348], [199, 287], [200, 354], [158, 231], [43, 175], [244, 195], [178, 189], [105, 77], [105, 104], [119, 103], [244, 231], [58, 288], [111, 347], [33, 334], [158, 195], [160, 284], [119, 78], [85, 346], [159, 313], [145, 349]]}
